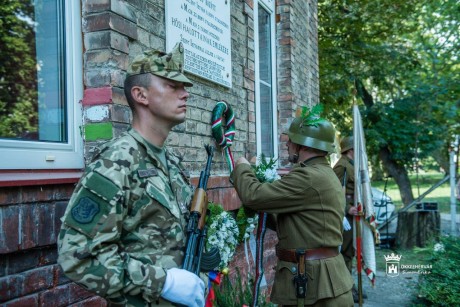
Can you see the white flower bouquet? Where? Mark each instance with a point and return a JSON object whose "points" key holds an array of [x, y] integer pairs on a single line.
{"points": [[265, 170], [223, 233]]}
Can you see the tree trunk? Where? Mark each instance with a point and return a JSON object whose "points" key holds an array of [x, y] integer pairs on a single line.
{"points": [[417, 228], [377, 170], [441, 158], [399, 174]]}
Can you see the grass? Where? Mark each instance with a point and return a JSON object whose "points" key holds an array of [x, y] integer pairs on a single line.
{"points": [[409, 256], [420, 184], [430, 289]]}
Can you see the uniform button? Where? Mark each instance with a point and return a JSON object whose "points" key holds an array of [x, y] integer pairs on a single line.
{"points": [[294, 269]]}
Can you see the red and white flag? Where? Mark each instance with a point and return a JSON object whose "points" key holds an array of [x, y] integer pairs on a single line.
{"points": [[366, 239]]}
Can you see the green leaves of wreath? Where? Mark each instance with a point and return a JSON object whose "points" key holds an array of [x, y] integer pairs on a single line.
{"points": [[224, 134], [222, 110]]}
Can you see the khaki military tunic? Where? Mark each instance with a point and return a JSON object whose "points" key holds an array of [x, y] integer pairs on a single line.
{"points": [[309, 205], [345, 171], [124, 225]]}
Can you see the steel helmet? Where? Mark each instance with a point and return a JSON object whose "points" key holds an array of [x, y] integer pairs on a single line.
{"points": [[346, 143], [320, 135]]}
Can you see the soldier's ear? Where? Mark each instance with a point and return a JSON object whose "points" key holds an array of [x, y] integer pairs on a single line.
{"points": [[139, 95]]}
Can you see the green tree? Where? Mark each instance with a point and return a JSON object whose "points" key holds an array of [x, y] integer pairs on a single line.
{"points": [[18, 70], [399, 61]]}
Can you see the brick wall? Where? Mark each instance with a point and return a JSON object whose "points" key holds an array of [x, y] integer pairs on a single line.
{"points": [[113, 32], [29, 225], [298, 68]]}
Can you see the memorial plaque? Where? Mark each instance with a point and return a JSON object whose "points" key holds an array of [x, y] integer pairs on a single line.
{"points": [[203, 26]]}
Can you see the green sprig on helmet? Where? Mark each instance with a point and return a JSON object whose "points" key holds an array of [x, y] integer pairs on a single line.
{"points": [[312, 116]]}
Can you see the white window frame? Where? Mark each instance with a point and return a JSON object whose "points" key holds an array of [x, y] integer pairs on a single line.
{"points": [[269, 6], [47, 155]]}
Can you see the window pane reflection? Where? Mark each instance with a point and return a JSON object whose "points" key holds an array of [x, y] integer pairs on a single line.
{"points": [[265, 85], [31, 71]]}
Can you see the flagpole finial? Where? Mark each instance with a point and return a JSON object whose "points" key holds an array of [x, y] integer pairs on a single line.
{"points": [[354, 92]]}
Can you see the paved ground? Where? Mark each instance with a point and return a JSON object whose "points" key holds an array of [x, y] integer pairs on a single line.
{"points": [[399, 290], [446, 226], [390, 291]]}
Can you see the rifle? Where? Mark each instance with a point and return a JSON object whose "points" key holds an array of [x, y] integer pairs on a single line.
{"points": [[196, 259]]}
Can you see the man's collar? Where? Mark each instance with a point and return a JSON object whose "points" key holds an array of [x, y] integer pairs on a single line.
{"points": [[314, 160], [138, 137]]}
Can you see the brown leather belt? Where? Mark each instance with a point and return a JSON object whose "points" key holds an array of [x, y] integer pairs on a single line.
{"points": [[289, 255]]}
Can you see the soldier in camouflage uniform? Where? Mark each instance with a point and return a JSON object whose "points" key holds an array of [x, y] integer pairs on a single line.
{"points": [[122, 234], [309, 206]]}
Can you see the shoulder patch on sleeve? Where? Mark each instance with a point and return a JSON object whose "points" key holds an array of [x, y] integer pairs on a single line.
{"points": [[85, 210], [102, 186], [92, 203]]}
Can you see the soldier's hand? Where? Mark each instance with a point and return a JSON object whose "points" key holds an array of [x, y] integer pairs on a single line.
{"points": [[353, 211], [183, 287]]}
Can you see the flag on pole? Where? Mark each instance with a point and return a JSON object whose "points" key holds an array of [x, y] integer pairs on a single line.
{"points": [[366, 234]]}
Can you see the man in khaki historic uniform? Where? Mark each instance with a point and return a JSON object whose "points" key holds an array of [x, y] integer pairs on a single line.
{"points": [[309, 206], [122, 234], [345, 171]]}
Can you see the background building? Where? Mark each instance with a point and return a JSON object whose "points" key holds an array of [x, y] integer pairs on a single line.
{"points": [[61, 95]]}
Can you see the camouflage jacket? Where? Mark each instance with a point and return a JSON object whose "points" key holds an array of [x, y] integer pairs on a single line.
{"points": [[345, 171], [124, 225], [309, 207]]}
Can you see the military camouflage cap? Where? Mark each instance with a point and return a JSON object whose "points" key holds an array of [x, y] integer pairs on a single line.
{"points": [[166, 65]]}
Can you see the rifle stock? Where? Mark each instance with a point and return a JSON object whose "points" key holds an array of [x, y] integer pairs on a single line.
{"points": [[195, 257]]}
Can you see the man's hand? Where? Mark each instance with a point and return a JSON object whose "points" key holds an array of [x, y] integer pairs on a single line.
{"points": [[183, 287], [353, 210]]}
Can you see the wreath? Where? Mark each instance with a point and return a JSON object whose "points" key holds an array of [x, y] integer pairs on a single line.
{"points": [[223, 110]]}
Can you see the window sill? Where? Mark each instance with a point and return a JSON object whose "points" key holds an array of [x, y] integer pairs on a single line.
{"points": [[18, 178]]}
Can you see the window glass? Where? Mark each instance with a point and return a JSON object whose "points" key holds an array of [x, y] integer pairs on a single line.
{"points": [[264, 46], [40, 84], [265, 116], [31, 100]]}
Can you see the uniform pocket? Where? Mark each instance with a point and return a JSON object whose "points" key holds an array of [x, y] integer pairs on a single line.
{"points": [[284, 280], [339, 276], [157, 189]]}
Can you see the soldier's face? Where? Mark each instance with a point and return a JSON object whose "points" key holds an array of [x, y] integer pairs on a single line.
{"points": [[167, 100]]}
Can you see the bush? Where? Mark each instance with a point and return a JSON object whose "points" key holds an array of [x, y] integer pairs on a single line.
{"points": [[441, 287]]}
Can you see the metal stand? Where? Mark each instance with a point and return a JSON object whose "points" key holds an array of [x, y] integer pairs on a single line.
{"points": [[387, 240]]}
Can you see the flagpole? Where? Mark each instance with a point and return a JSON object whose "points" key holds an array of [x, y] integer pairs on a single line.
{"points": [[357, 201], [358, 256]]}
